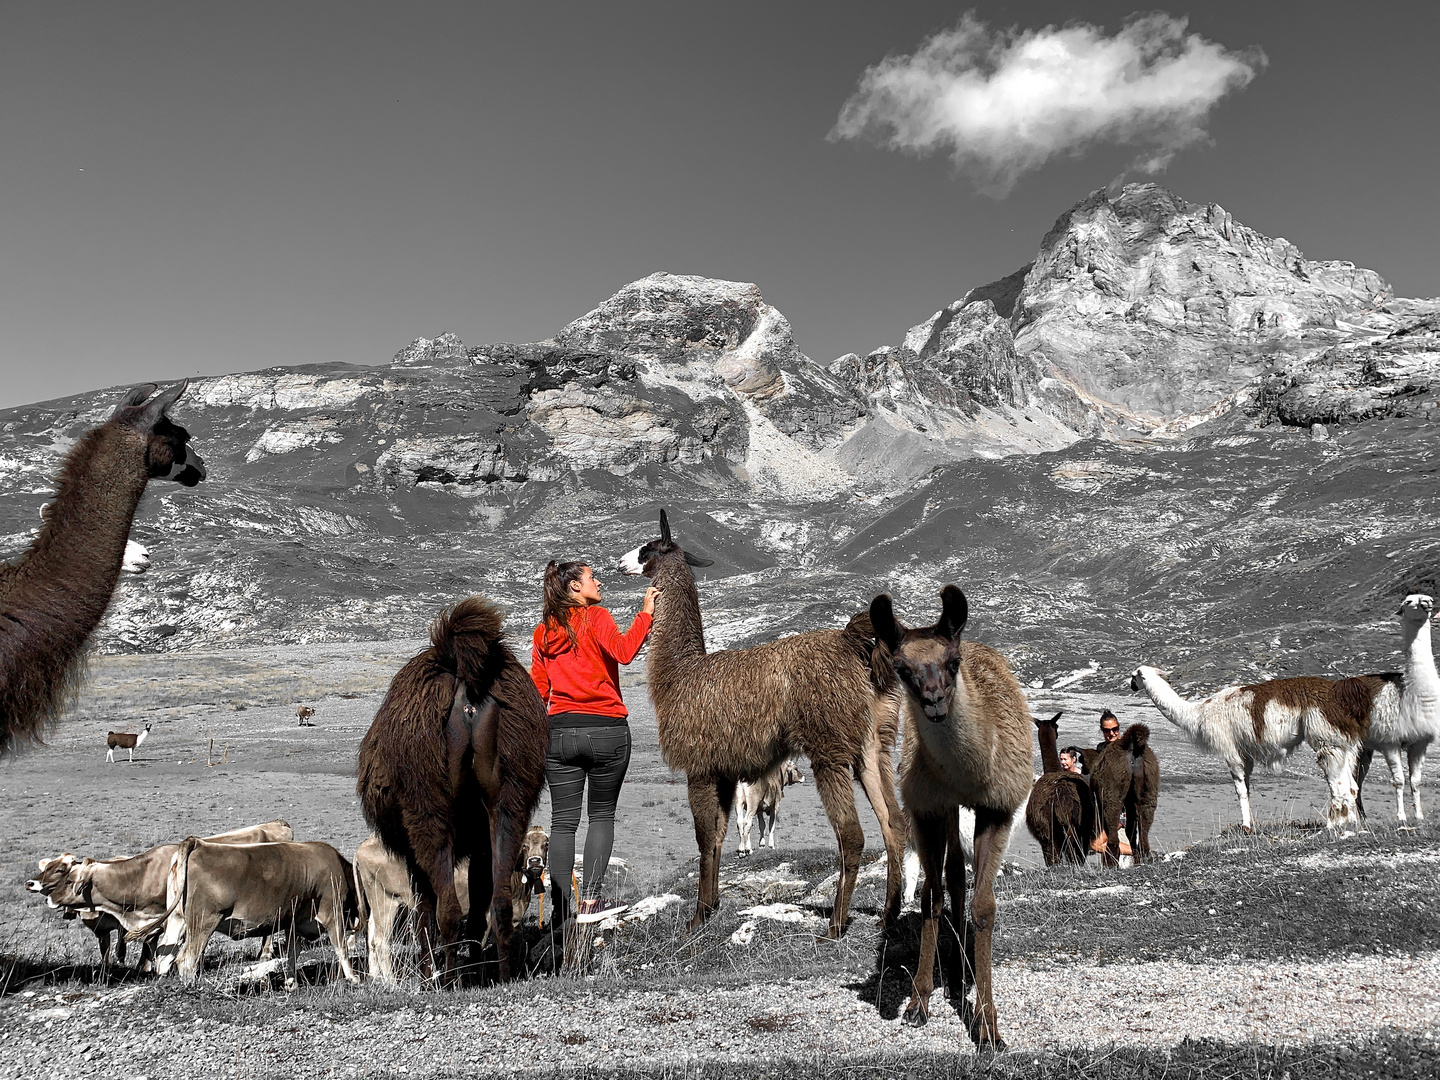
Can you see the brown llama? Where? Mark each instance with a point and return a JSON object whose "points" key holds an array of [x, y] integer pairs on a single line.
{"points": [[1126, 776], [1061, 811], [967, 743], [736, 714], [54, 596], [451, 769]]}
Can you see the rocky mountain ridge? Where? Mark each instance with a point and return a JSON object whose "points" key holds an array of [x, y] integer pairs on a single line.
{"points": [[347, 501]]}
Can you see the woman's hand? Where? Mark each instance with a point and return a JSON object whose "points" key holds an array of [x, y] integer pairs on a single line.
{"points": [[647, 606]]}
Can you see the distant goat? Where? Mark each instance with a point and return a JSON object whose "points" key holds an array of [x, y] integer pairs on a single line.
{"points": [[124, 740], [762, 800]]}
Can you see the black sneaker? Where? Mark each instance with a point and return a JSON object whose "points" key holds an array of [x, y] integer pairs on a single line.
{"points": [[598, 910]]}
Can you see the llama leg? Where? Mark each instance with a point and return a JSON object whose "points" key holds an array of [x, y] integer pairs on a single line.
{"points": [[1397, 767], [1338, 768], [929, 834], [710, 801], [877, 776], [838, 794], [1240, 777], [1416, 755], [960, 973], [1109, 821], [743, 822], [992, 832], [507, 835], [1362, 770]]}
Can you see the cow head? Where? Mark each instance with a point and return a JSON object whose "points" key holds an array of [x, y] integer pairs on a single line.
{"points": [[533, 857], [56, 881]]}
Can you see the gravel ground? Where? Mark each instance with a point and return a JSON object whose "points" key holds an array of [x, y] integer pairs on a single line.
{"points": [[1067, 1005]]}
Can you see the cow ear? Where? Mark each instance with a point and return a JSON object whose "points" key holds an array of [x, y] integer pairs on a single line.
{"points": [[665, 528], [955, 610], [882, 619], [694, 561]]}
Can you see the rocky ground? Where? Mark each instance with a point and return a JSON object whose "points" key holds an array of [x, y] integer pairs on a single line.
{"points": [[1260, 954]]}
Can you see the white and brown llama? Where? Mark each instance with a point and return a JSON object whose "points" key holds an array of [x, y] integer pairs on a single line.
{"points": [[54, 596], [1264, 723], [967, 743], [1402, 708], [735, 714]]}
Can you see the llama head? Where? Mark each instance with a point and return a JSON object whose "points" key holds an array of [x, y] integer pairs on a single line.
{"points": [[1142, 678], [645, 558], [1053, 723], [1416, 609], [168, 454], [926, 659]]}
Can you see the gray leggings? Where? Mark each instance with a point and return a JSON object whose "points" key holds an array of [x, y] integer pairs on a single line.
{"points": [[602, 754]]}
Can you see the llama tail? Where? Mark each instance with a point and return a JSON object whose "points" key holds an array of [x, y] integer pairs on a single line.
{"points": [[180, 866], [860, 632], [1136, 739], [464, 638]]}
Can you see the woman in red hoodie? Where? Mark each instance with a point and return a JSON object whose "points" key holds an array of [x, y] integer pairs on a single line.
{"points": [[575, 660]]}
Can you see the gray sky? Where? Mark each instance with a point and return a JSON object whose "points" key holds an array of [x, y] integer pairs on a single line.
{"points": [[290, 183]]}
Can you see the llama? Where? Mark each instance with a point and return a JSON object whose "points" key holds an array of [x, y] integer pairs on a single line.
{"points": [[451, 768], [1402, 708], [762, 800], [1061, 811], [735, 714], [1264, 723], [52, 599], [1126, 777], [967, 743], [124, 740]]}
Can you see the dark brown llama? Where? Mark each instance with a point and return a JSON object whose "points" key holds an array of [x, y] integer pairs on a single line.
{"points": [[52, 599], [451, 769], [736, 714], [967, 743], [1061, 811], [1126, 776]]}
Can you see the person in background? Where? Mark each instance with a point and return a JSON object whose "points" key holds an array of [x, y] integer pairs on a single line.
{"points": [[575, 656], [1109, 729], [1072, 759]]}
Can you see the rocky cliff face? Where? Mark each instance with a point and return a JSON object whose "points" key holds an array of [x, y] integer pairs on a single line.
{"points": [[352, 502]]}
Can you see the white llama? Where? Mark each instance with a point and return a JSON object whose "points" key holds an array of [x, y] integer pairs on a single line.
{"points": [[1403, 707], [1263, 723]]}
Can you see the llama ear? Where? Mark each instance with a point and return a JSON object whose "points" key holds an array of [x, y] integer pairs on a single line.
{"points": [[665, 528], [955, 610], [160, 404], [136, 397], [694, 561], [882, 620]]}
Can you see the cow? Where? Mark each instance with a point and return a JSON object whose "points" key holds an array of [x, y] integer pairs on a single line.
{"points": [[250, 890], [304, 713], [126, 893], [386, 890], [761, 799], [123, 740]]}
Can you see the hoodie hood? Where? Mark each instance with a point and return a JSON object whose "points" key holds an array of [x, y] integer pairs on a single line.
{"points": [[553, 641]]}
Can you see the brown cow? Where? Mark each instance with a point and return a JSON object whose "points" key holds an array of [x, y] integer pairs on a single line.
{"points": [[386, 890], [127, 893], [249, 890]]}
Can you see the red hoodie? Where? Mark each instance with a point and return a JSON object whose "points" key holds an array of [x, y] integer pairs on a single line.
{"points": [[585, 677]]}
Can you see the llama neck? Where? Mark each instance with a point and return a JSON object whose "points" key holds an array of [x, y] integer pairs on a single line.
{"points": [[1049, 754], [81, 546], [1421, 678], [678, 634], [1183, 714]]}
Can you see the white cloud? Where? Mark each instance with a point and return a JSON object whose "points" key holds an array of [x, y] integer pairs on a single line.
{"points": [[1001, 103]]}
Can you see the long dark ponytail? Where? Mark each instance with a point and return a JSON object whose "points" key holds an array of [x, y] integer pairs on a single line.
{"points": [[558, 602]]}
